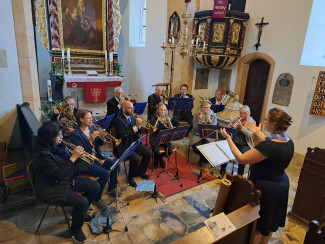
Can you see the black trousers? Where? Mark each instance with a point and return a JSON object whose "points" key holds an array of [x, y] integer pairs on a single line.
{"points": [[157, 155], [80, 203], [137, 168]]}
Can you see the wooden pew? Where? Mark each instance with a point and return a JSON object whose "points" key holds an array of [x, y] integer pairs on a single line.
{"points": [[315, 234]]}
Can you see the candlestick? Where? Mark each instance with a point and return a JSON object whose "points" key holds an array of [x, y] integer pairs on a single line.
{"points": [[62, 55], [111, 57], [197, 41], [203, 44], [105, 55], [68, 55], [69, 73], [110, 68], [106, 66], [173, 40]]}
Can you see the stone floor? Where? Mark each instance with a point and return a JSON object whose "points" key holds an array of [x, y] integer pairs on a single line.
{"points": [[148, 221]]}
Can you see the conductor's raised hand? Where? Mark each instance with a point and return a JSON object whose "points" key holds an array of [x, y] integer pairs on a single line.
{"points": [[225, 134], [253, 128]]}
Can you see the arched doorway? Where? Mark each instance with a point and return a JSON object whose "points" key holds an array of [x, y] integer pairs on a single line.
{"points": [[247, 87]]}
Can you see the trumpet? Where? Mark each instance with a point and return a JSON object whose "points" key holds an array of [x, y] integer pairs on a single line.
{"points": [[87, 157], [105, 136], [206, 118], [144, 123], [235, 122], [166, 124]]}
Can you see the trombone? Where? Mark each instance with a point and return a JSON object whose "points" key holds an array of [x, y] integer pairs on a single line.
{"points": [[87, 157], [144, 123], [104, 135]]}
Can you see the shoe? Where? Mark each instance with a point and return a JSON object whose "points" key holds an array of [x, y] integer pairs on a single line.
{"points": [[144, 176], [78, 236], [88, 218], [113, 193], [100, 204], [132, 182]]}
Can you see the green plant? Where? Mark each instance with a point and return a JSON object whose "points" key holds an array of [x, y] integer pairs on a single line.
{"points": [[117, 68], [59, 73], [48, 108]]}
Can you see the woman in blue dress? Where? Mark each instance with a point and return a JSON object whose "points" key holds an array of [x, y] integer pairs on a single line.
{"points": [[269, 160]]}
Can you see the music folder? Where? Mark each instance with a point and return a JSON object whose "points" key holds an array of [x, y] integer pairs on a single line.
{"points": [[217, 153], [180, 104], [127, 152]]}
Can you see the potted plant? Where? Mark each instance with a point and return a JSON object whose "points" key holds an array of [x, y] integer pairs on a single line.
{"points": [[57, 80], [47, 109]]}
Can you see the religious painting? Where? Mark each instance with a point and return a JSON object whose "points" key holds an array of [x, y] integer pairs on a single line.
{"points": [[283, 89], [82, 25], [201, 79]]}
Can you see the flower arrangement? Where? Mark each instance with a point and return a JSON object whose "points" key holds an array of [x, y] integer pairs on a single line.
{"points": [[56, 66]]}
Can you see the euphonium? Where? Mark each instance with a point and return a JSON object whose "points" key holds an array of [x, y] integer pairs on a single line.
{"points": [[144, 123], [87, 157], [63, 108], [105, 136], [226, 98]]}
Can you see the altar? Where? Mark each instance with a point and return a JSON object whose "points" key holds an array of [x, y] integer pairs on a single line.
{"points": [[91, 92]]}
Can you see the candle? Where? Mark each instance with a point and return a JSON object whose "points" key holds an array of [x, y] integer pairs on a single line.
{"points": [[68, 54], [173, 40], [111, 57], [192, 41], [62, 54], [197, 41], [199, 29], [204, 44], [49, 90], [105, 55]]}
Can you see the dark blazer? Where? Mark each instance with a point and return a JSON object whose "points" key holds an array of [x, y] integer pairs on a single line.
{"points": [[122, 129], [179, 95], [213, 100], [53, 173], [112, 106], [78, 138], [153, 100]]}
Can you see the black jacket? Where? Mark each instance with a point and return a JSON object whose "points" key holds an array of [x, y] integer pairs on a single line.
{"points": [[53, 173], [112, 107], [153, 100]]}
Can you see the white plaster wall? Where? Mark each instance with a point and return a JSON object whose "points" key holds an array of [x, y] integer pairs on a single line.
{"points": [[143, 66], [10, 88]]}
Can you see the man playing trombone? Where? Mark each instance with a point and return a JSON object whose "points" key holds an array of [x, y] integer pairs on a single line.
{"points": [[128, 129], [204, 116]]}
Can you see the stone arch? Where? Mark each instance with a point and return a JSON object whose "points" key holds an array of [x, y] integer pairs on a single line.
{"points": [[242, 73]]}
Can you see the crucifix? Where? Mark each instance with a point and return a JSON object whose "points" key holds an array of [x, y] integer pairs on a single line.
{"points": [[260, 27]]}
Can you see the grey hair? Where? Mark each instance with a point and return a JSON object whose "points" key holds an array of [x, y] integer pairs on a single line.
{"points": [[246, 109], [118, 88]]}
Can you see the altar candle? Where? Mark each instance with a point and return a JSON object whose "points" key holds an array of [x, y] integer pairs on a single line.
{"points": [[62, 54], [105, 55], [199, 29], [197, 41], [68, 54], [204, 44], [111, 57], [173, 40]]}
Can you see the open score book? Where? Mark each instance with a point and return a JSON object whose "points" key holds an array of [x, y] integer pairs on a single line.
{"points": [[217, 153]]}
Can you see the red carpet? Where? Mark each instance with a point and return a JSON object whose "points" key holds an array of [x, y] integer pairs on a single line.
{"points": [[169, 186]]}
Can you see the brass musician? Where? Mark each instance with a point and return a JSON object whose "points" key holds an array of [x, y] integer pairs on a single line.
{"points": [[161, 121]]}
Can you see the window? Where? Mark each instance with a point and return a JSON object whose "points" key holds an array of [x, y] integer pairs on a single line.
{"points": [[137, 23]]}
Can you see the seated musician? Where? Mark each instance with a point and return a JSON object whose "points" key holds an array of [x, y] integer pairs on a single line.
{"points": [[153, 100], [269, 159], [128, 128], [85, 137], [114, 104], [56, 178], [204, 116], [72, 105], [217, 98], [183, 115], [161, 121]]}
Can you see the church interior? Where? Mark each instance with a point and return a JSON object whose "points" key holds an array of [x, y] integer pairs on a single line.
{"points": [[258, 53]]}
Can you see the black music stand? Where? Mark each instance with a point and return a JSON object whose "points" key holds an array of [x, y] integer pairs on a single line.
{"points": [[217, 108], [140, 107], [213, 132], [104, 123], [179, 104], [124, 156], [167, 136]]}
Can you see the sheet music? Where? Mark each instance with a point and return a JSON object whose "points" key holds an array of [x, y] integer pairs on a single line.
{"points": [[224, 146], [219, 225], [213, 154]]}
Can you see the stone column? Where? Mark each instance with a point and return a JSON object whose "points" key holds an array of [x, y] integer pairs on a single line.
{"points": [[25, 41]]}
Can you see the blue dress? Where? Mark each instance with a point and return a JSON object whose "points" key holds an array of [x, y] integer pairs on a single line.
{"points": [[270, 178]]}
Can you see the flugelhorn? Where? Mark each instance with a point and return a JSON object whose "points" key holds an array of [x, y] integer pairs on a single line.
{"points": [[105, 136], [87, 157], [235, 122], [144, 123]]}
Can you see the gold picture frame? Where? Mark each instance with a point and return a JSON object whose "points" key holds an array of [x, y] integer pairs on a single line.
{"points": [[82, 26]]}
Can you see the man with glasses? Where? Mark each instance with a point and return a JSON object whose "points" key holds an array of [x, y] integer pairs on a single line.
{"points": [[114, 104], [128, 129]]}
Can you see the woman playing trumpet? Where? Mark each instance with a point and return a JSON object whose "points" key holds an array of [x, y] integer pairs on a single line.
{"points": [[56, 178], [90, 140], [204, 116], [160, 121]]}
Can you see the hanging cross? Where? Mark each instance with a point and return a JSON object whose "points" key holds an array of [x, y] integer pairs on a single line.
{"points": [[260, 27]]}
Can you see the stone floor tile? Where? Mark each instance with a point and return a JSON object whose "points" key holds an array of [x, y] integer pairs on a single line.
{"points": [[8, 235], [156, 230], [28, 238], [120, 239], [136, 235]]}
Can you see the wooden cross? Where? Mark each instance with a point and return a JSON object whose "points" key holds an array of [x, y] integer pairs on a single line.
{"points": [[260, 27]]}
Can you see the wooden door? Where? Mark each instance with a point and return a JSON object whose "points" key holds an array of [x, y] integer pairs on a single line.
{"points": [[255, 87]]}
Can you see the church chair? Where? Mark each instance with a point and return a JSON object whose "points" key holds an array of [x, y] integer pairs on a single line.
{"points": [[31, 175]]}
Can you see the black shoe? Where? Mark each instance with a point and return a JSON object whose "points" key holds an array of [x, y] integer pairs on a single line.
{"points": [[78, 236], [113, 193], [88, 218], [144, 176], [132, 182]]}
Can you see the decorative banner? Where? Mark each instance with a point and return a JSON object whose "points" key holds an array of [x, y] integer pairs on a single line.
{"points": [[220, 8], [95, 92]]}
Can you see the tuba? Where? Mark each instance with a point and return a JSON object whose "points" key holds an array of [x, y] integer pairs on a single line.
{"points": [[226, 98], [63, 108]]}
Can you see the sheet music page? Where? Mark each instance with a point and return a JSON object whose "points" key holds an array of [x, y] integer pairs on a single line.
{"points": [[219, 225], [224, 146], [213, 154]]}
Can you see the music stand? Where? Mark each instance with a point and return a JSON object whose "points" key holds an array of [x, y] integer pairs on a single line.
{"points": [[179, 104], [140, 107], [167, 136], [125, 155], [217, 108], [104, 123], [213, 132]]}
